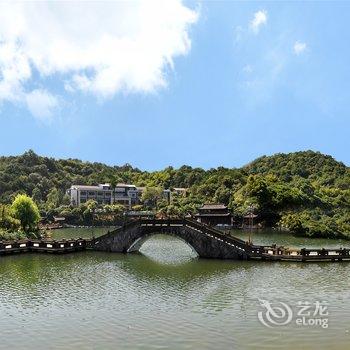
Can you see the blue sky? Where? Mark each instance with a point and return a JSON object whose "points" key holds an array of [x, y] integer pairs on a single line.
{"points": [[205, 84]]}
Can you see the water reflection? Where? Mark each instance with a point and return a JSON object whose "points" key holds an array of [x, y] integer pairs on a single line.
{"points": [[163, 297], [271, 236]]}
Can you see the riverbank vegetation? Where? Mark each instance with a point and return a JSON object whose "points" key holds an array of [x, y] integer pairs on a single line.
{"points": [[20, 219], [307, 193]]}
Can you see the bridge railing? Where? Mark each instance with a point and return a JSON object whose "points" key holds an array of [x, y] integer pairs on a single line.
{"points": [[219, 235], [162, 222], [126, 225], [214, 231]]}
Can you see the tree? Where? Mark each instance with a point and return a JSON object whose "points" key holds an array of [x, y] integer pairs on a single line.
{"points": [[111, 212], [89, 209], [36, 195], [222, 195], [173, 211], [151, 195], [53, 199], [292, 222], [26, 211], [66, 200], [114, 209], [7, 220], [258, 188]]}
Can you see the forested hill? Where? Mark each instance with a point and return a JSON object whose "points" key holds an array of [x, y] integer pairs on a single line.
{"points": [[307, 192], [312, 165]]}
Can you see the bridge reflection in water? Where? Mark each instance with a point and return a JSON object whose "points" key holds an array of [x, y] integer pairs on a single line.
{"points": [[205, 240]]}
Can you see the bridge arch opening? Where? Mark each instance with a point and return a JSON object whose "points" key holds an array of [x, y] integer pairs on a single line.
{"points": [[163, 246]]}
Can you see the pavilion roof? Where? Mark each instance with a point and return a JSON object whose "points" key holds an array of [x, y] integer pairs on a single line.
{"points": [[213, 206], [212, 214]]}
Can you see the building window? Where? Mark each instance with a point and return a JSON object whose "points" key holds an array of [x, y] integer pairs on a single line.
{"points": [[83, 193]]}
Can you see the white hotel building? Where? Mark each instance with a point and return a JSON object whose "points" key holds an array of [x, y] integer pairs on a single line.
{"points": [[124, 194]]}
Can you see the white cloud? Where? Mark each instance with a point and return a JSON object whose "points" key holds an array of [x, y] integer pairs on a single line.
{"points": [[299, 47], [260, 18], [100, 48], [41, 104]]}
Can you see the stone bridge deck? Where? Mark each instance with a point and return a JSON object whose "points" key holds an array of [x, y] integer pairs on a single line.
{"points": [[207, 241]]}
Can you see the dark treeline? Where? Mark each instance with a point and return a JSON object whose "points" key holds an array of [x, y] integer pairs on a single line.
{"points": [[306, 192]]}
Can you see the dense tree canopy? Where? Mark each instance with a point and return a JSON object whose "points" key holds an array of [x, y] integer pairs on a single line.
{"points": [[307, 192]]}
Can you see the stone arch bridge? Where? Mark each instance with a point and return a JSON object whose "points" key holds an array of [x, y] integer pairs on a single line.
{"points": [[206, 241]]}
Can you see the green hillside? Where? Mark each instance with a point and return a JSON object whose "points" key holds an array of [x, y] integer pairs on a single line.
{"points": [[306, 192], [309, 165]]}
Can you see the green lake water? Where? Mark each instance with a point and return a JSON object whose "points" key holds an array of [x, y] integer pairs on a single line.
{"points": [[167, 298]]}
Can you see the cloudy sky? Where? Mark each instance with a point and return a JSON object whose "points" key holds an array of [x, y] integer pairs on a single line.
{"points": [[171, 83]]}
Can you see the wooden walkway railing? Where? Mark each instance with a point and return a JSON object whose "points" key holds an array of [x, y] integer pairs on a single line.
{"points": [[46, 246]]}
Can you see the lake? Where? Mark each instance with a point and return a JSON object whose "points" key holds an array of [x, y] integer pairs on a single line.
{"points": [[167, 298]]}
